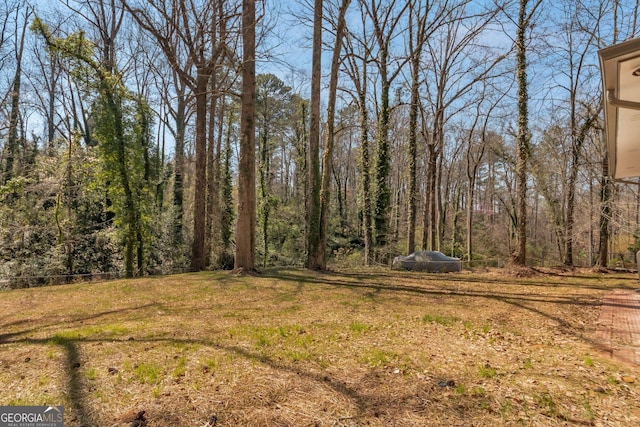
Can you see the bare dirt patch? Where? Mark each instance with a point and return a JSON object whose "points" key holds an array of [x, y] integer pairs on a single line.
{"points": [[297, 348]]}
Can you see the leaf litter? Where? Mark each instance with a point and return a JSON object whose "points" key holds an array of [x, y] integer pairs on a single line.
{"points": [[297, 348]]}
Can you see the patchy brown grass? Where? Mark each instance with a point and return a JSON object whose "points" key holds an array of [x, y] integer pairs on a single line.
{"points": [[296, 348]]}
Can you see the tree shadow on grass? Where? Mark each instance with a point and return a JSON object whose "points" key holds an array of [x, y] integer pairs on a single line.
{"points": [[369, 402], [355, 392], [436, 285], [542, 281], [75, 392], [441, 285], [5, 337]]}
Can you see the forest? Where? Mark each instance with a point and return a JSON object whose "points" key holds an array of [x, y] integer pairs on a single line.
{"points": [[144, 137]]}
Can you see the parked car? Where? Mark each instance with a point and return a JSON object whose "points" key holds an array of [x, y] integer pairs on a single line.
{"points": [[431, 261]]}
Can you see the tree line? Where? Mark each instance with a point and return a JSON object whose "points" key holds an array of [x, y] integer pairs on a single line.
{"points": [[149, 136]]}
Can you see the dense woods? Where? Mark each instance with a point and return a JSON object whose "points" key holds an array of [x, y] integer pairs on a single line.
{"points": [[154, 136]]}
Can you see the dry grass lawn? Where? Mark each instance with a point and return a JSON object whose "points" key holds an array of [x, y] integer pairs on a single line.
{"points": [[295, 348]]}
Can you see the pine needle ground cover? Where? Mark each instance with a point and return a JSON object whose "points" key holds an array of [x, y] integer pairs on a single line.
{"points": [[295, 348]]}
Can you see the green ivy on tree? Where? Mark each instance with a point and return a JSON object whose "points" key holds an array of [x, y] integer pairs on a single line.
{"points": [[122, 121]]}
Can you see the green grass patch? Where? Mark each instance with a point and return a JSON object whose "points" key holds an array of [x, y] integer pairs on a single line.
{"points": [[378, 357], [588, 361], [156, 392], [546, 402], [148, 373], [92, 331], [271, 336], [210, 365], [64, 338], [487, 371], [359, 328], [91, 374], [589, 412], [184, 347], [181, 368], [298, 355], [439, 319]]}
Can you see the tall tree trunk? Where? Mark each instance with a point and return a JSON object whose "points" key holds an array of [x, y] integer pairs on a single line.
{"points": [[473, 163], [384, 20], [314, 255], [382, 166], [340, 195], [130, 205], [217, 204], [198, 258], [520, 255], [14, 113], [54, 72], [367, 219], [429, 215], [143, 117], [216, 121], [69, 195], [457, 213], [227, 188], [469, 219], [413, 149], [441, 207], [246, 226], [327, 156], [12, 137], [178, 174], [216, 129], [264, 167]]}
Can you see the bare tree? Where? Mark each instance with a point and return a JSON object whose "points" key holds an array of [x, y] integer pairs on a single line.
{"points": [[177, 109], [358, 56], [314, 252], [478, 140], [246, 226], [105, 18], [424, 19], [186, 32], [46, 84], [578, 115], [416, 43], [327, 155], [523, 24], [450, 89], [386, 19], [22, 16], [223, 78]]}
